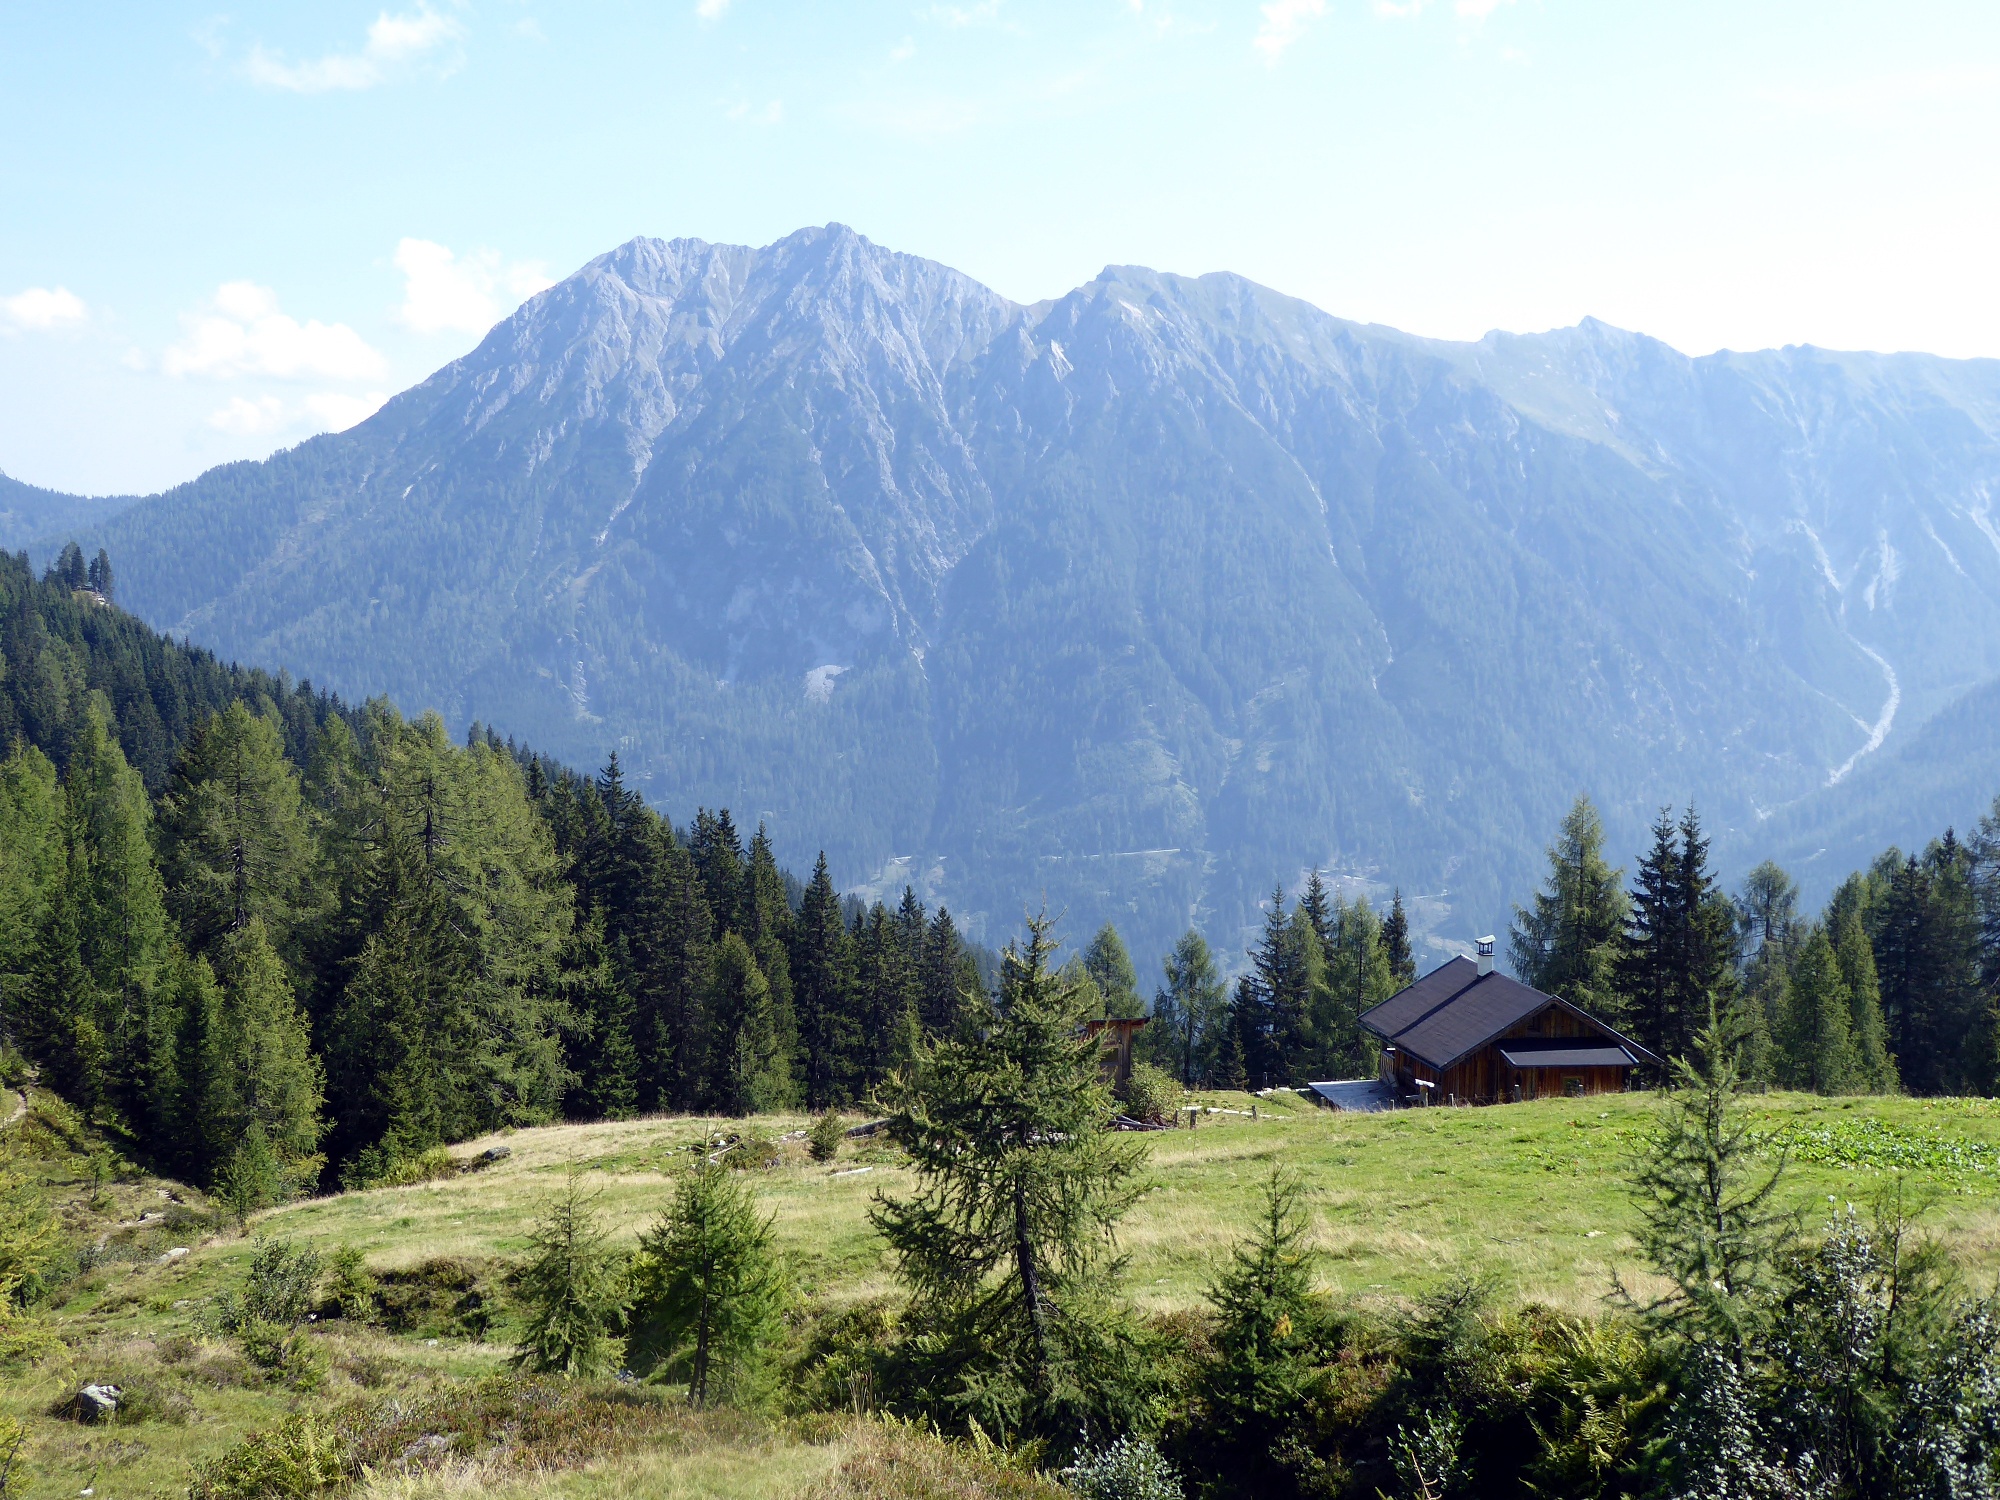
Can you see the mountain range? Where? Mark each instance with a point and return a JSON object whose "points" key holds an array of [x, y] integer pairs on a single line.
{"points": [[1140, 600]]}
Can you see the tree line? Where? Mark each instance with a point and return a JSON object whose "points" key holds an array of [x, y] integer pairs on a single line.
{"points": [[1894, 985], [276, 941]]}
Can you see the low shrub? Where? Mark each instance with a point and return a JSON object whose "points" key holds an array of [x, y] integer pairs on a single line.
{"points": [[349, 1290], [897, 1461], [305, 1456], [378, 1168], [266, 1319], [1151, 1094], [445, 1297], [1129, 1469]]}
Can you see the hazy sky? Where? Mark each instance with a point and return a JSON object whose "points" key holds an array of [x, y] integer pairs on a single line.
{"points": [[223, 231]]}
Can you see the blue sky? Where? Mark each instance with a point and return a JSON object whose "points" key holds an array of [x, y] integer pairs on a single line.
{"points": [[223, 231]]}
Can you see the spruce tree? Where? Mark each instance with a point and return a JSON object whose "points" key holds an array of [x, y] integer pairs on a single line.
{"points": [[706, 1285], [1260, 1373], [822, 977], [1007, 1242], [604, 1058], [1273, 1026], [1566, 942], [1396, 950], [1816, 1032], [1677, 966], [749, 1072]]}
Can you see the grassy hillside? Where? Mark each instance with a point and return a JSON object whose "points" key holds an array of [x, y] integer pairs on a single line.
{"points": [[1531, 1195]]}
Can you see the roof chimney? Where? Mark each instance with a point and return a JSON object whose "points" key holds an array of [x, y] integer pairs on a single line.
{"points": [[1485, 949]]}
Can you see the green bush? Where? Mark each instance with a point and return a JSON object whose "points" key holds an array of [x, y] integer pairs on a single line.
{"points": [[1151, 1094], [827, 1133], [446, 1297], [378, 1167], [1129, 1469], [350, 1291], [266, 1319], [301, 1458]]}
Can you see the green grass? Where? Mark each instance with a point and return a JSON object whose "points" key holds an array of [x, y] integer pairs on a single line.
{"points": [[1531, 1195]]}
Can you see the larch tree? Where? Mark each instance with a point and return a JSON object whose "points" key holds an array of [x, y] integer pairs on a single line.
{"points": [[1007, 1242], [1189, 1012], [1566, 940], [234, 839], [707, 1288]]}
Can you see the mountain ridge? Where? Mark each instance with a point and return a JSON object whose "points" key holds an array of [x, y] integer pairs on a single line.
{"points": [[1138, 597]]}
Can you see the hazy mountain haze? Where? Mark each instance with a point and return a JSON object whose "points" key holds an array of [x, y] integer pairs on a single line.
{"points": [[1134, 601]]}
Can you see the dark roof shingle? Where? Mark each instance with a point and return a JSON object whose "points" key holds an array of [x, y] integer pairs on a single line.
{"points": [[1454, 1009]]}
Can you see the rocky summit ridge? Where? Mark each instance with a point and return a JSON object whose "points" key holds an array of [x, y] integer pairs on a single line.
{"points": [[1141, 599]]}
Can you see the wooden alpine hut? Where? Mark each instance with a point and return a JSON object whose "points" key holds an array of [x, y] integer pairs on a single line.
{"points": [[1465, 1034]]}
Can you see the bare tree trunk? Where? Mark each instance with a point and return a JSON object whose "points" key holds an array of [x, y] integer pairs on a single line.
{"points": [[1031, 1286]]}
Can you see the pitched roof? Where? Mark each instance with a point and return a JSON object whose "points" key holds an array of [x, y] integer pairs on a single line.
{"points": [[1454, 1010]]}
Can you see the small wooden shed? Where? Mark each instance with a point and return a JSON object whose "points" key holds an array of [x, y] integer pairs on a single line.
{"points": [[1116, 1035], [1465, 1034]]}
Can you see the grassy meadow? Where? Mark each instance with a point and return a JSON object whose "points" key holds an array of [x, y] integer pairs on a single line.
{"points": [[1531, 1196]]}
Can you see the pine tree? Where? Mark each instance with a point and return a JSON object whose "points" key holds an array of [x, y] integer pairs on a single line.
{"points": [[99, 574], [1567, 941], [706, 1285], [1006, 1241], [570, 1291]]}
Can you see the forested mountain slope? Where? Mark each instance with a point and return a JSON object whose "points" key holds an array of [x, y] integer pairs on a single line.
{"points": [[1131, 600]]}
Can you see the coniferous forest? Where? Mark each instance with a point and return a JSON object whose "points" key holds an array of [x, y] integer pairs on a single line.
{"points": [[274, 945]]}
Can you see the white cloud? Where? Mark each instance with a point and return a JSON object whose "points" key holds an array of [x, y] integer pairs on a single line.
{"points": [[395, 43], [711, 10], [1479, 10], [41, 307], [242, 332], [1285, 21], [444, 291], [904, 50], [334, 412], [771, 114], [244, 417]]}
